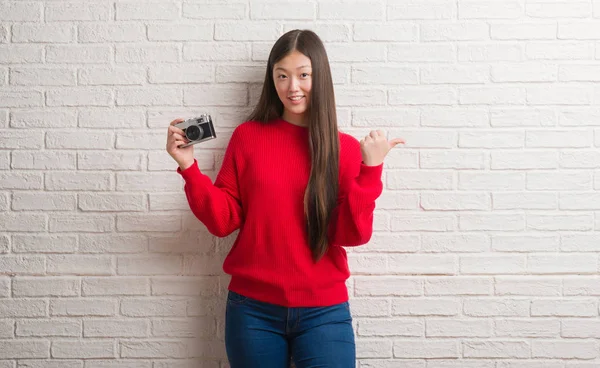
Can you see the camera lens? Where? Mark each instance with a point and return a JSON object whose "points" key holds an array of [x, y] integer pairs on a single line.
{"points": [[193, 132]]}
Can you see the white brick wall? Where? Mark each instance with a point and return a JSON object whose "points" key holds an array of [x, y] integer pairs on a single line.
{"points": [[486, 252]]}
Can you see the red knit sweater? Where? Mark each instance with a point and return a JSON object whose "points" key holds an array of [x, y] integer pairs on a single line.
{"points": [[260, 191]]}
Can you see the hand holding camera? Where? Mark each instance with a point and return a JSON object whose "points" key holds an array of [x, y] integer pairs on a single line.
{"points": [[183, 134]]}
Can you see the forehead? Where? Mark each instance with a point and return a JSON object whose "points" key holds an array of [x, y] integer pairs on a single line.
{"points": [[292, 61]]}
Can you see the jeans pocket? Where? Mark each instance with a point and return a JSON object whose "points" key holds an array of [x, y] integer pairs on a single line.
{"points": [[235, 298]]}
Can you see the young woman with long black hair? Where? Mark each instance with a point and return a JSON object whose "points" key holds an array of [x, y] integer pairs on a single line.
{"points": [[298, 191]]}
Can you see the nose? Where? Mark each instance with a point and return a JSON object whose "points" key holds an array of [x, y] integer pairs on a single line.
{"points": [[294, 84]]}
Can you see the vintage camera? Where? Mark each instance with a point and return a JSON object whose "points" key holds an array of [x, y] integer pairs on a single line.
{"points": [[197, 130]]}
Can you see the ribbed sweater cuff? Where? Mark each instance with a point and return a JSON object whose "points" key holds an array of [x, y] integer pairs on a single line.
{"points": [[369, 180], [191, 172]]}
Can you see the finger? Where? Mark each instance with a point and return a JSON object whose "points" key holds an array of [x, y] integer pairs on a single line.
{"points": [[373, 134], [179, 137], [176, 121], [381, 133], [396, 141], [173, 129]]}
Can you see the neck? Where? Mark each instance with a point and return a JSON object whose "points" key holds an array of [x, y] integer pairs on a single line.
{"points": [[300, 120]]}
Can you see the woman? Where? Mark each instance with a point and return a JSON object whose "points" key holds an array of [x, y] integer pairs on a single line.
{"points": [[298, 191]]}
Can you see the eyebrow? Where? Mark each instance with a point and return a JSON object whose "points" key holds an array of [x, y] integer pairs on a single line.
{"points": [[300, 67]]}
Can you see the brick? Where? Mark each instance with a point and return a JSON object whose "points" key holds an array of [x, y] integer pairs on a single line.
{"points": [[559, 95], [491, 181], [426, 349], [221, 51], [523, 31], [24, 349], [45, 286], [387, 286], [79, 265], [45, 328], [423, 95], [46, 118], [218, 96], [112, 202], [452, 160], [510, 160], [21, 98], [412, 264], [490, 10], [567, 263], [83, 307], [458, 286], [496, 307], [119, 75], [78, 181], [22, 222], [147, 11], [110, 160], [55, 33], [114, 286], [20, 12], [90, 223], [420, 180], [42, 76], [491, 95], [419, 53], [26, 308], [528, 286], [496, 349], [328, 32], [83, 349], [524, 201], [426, 222], [115, 328], [142, 53], [135, 307], [492, 264], [564, 349], [20, 181], [293, 10], [490, 52], [104, 33], [386, 32], [184, 74], [525, 243], [246, 31], [46, 160], [77, 12], [460, 31], [548, 180], [149, 265], [437, 327], [44, 243], [79, 54], [564, 50], [356, 10], [442, 243], [391, 327], [434, 9]]}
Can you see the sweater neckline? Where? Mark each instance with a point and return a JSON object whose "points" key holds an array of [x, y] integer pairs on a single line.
{"points": [[289, 125]]}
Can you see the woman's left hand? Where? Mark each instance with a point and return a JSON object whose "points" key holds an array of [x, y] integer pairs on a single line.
{"points": [[375, 146]]}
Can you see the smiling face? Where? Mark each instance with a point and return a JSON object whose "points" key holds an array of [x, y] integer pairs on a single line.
{"points": [[292, 76]]}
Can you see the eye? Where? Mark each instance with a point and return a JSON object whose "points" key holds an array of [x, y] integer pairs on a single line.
{"points": [[305, 75], [281, 76]]}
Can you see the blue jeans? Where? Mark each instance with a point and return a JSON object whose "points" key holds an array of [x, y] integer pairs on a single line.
{"points": [[263, 335]]}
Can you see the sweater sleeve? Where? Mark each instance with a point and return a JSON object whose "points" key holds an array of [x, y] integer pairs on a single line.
{"points": [[352, 222], [218, 206]]}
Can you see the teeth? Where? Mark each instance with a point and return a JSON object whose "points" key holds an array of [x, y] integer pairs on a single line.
{"points": [[295, 98]]}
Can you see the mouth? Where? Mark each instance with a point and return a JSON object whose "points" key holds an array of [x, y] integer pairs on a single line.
{"points": [[296, 98]]}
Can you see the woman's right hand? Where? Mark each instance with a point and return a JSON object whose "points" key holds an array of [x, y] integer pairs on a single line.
{"points": [[175, 138]]}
